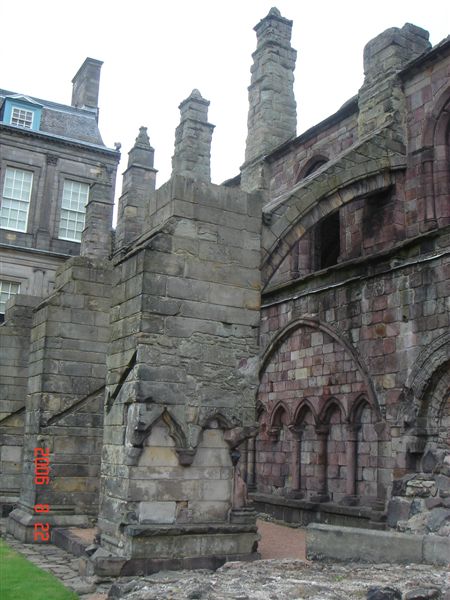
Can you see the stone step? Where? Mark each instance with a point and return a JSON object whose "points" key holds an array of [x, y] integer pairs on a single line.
{"points": [[74, 539]]}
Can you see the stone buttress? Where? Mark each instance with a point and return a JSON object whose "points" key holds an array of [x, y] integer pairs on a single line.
{"points": [[64, 405], [182, 378], [15, 347], [66, 382]]}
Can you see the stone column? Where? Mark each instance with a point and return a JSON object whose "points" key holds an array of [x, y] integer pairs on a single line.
{"points": [[244, 460], [251, 464], [193, 136], [322, 462], [427, 187], [381, 430], [296, 442], [351, 443]]}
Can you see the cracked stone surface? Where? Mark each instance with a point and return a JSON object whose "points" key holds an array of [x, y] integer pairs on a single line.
{"points": [[284, 579]]}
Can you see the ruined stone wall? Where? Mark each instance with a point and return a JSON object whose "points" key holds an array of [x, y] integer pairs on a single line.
{"points": [[427, 184], [321, 143], [66, 375], [182, 372], [354, 383], [333, 349], [14, 352]]}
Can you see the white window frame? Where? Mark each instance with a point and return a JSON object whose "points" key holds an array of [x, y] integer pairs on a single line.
{"points": [[71, 209], [9, 293], [13, 201], [21, 118]]}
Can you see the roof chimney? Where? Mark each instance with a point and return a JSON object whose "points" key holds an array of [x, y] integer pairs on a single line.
{"points": [[86, 85]]}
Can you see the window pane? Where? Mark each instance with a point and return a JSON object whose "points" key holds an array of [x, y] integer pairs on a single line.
{"points": [[7, 289], [21, 117], [73, 208], [16, 199]]}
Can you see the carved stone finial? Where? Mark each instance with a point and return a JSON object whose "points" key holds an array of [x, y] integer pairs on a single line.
{"points": [[274, 12], [141, 153], [193, 139], [142, 140], [196, 94]]}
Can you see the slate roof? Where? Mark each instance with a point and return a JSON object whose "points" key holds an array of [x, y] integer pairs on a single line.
{"points": [[62, 121]]}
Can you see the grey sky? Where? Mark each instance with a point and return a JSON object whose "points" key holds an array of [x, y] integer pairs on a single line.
{"points": [[156, 52]]}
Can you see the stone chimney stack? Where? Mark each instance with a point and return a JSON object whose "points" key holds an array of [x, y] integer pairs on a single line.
{"points": [[86, 85], [138, 187], [192, 156], [272, 116], [381, 96], [96, 236]]}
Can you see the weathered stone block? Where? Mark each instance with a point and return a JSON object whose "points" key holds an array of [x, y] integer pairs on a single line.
{"points": [[157, 512], [348, 543]]}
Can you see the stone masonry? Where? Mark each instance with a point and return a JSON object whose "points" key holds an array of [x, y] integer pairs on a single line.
{"points": [[182, 376], [64, 409], [285, 333], [272, 117], [354, 321]]}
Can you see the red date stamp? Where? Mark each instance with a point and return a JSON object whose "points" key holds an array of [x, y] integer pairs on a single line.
{"points": [[41, 477]]}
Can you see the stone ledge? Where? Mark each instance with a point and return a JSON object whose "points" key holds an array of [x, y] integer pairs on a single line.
{"points": [[436, 550], [70, 540], [21, 523], [188, 529], [350, 543], [113, 566], [364, 512]]}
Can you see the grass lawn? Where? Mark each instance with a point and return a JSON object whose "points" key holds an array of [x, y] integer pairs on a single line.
{"points": [[21, 580]]}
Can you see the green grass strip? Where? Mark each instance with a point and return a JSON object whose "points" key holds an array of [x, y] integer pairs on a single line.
{"points": [[21, 580]]}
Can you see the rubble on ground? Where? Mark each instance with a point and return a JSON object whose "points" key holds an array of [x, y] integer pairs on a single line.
{"points": [[290, 580]]}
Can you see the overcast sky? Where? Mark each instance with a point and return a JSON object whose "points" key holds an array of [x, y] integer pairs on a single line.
{"points": [[156, 52]]}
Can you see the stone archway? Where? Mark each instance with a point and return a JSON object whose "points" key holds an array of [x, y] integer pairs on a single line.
{"points": [[434, 412], [302, 378], [423, 414], [288, 217]]}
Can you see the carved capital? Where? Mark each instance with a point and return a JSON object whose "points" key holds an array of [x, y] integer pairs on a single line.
{"points": [[185, 456]]}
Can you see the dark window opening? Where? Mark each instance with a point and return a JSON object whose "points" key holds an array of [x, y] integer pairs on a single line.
{"points": [[328, 243], [375, 215], [314, 167]]}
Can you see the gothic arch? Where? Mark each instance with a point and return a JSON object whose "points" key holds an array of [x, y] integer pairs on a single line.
{"points": [[276, 418], [356, 409], [429, 361], [438, 121], [330, 407], [288, 217], [436, 157], [139, 427], [311, 165], [223, 422], [291, 327], [301, 410]]}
